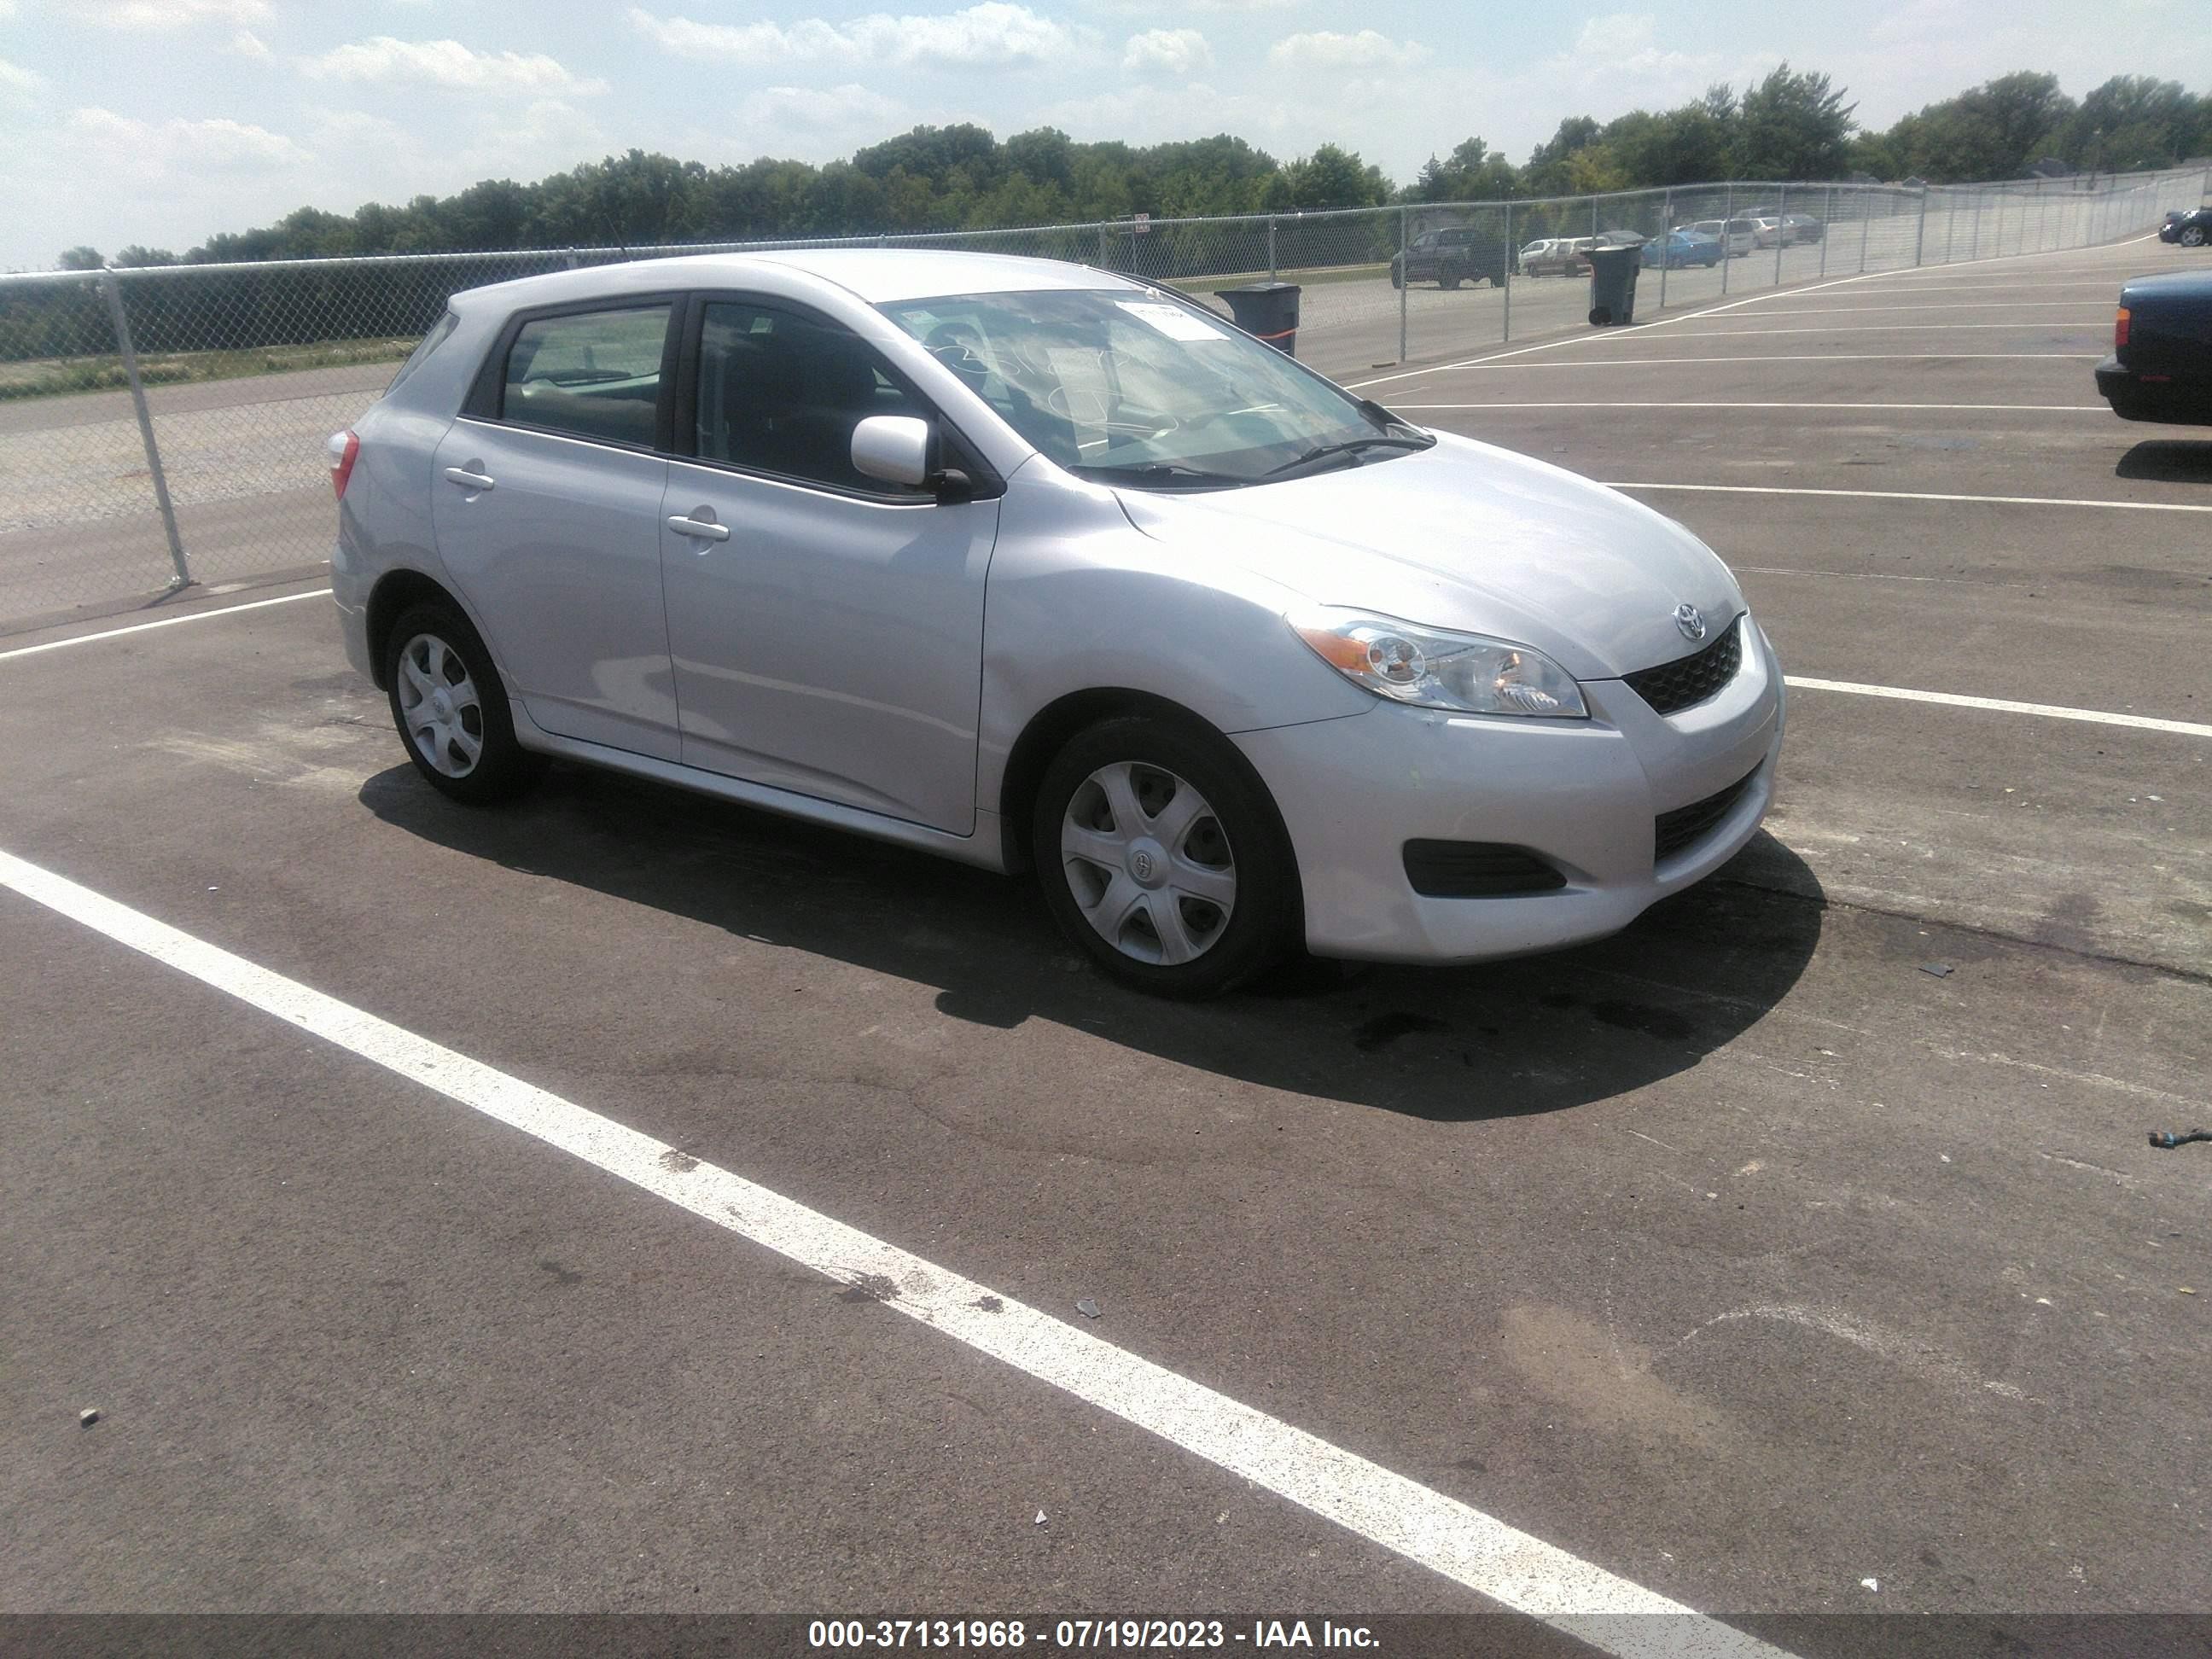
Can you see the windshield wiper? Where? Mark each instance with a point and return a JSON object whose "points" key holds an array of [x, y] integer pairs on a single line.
{"points": [[1350, 446], [1144, 472]]}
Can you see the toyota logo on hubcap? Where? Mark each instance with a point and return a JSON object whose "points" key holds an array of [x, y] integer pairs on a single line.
{"points": [[1140, 865], [1691, 620]]}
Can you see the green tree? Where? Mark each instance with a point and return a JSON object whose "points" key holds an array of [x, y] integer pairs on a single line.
{"points": [[1793, 126], [80, 259]]}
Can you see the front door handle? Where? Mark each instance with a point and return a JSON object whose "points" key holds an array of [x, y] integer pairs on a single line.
{"points": [[462, 475], [705, 530]]}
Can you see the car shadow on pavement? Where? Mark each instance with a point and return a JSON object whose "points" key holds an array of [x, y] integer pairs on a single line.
{"points": [[1453, 1044], [2173, 460]]}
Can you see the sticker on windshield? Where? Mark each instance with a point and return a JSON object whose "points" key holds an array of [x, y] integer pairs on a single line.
{"points": [[1172, 320]]}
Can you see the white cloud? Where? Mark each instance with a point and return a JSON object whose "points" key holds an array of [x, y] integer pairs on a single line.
{"points": [[15, 80], [778, 110], [1325, 50], [447, 64], [1182, 52], [167, 14], [105, 141], [993, 34], [246, 44]]}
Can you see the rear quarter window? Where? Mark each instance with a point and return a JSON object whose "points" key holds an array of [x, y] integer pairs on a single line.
{"points": [[430, 342]]}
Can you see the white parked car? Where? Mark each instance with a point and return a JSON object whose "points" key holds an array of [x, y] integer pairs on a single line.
{"points": [[1034, 566], [1737, 237]]}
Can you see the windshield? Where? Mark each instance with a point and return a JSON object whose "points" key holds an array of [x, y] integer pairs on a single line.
{"points": [[1135, 388]]}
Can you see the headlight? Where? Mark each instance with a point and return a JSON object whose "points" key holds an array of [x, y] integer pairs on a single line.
{"points": [[1433, 668]]}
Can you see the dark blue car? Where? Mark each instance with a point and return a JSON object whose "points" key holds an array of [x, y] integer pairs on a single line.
{"points": [[1683, 247]]}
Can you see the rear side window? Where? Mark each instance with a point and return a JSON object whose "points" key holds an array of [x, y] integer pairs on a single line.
{"points": [[591, 374], [430, 342]]}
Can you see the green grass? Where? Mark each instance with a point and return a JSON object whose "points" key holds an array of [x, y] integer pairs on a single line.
{"points": [[56, 377], [1317, 277]]}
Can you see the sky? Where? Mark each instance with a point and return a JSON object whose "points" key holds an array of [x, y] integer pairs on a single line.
{"points": [[161, 122]]}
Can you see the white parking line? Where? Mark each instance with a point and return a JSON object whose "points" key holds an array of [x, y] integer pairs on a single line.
{"points": [[1925, 496], [1671, 402], [2098, 323], [166, 622], [2046, 710], [2105, 284], [1811, 357], [1952, 306], [1442, 1533]]}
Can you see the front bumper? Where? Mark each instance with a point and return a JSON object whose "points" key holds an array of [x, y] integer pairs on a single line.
{"points": [[1583, 794]]}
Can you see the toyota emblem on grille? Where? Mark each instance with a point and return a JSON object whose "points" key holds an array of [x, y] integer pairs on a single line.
{"points": [[1691, 620]]}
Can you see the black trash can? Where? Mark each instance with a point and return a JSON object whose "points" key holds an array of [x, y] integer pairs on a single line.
{"points": [[1612, 283], [1269, 310]]}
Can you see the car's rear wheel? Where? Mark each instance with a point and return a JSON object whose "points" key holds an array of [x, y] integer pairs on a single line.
{"points": [[451, 710], [1163, 859], [1446, 282], [2192, 236]]}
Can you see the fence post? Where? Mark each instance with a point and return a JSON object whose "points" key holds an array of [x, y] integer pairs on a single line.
{"points": [[1781, 233], [1919, 235], [1103, 262], [1271, 248], [1405, 273], [1997, 235], [568, 258], [113, 292], [1728, 217], [1505, 328], [1827, 215], [1666, 241], [1974, 239]]}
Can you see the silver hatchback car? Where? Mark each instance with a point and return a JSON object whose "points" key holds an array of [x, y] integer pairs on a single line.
{"points": [[1037, 567]]}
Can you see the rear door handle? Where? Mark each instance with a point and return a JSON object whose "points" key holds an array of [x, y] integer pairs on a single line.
{"points": [[705, 530], [461, 475]]}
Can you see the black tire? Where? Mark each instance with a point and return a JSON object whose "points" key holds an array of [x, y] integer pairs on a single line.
{"points": [[1243, 835], [2192, 236], [1446, 282], [502, 768]]}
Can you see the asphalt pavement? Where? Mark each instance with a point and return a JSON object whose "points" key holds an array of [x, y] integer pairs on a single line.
{"points": [[1798, 1251]]}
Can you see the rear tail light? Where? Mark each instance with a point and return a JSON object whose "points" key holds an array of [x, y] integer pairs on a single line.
{"points": [[343, 447], [2120, 330]]}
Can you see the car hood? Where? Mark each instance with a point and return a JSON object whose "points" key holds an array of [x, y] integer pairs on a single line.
{"points": [[1466, 536]]}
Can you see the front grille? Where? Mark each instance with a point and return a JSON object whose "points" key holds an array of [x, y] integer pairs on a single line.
{"points": [[1477, 869], [1673, 686], [1672, 832]]}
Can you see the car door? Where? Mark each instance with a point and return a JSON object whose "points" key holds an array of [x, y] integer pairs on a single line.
{"points": [[547, 514], [826, 629]]}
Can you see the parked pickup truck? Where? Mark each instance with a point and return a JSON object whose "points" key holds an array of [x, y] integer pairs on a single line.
{"points": [[1450, 256], [2161, 369]]}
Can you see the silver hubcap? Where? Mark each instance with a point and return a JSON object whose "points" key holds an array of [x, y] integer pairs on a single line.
{"points": [[1149, 863], [439, 706]]}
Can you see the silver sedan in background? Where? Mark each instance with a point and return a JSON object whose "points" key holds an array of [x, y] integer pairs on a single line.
{"points": [[1035, 566]]}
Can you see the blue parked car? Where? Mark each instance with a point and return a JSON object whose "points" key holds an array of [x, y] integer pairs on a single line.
{"points": [[1683, 247]]}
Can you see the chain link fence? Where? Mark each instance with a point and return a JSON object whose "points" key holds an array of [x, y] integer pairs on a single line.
{"points": [[165, 427]]}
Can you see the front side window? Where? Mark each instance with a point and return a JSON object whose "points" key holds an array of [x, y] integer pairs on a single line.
{"points": [[781, 393], [588, 375], [1134, 388]]}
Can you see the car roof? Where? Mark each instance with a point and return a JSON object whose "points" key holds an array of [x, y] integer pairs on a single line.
{"points": [[876, 276]]}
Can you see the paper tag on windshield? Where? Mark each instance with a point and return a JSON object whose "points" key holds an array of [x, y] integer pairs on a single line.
{"points": [[1172, 320]]}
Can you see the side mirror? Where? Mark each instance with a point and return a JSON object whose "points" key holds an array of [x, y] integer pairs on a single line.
{"points": [[894, 449]]}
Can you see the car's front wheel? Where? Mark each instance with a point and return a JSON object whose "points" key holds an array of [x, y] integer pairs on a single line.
{"points": [[451, 709], [1163, 859]]}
